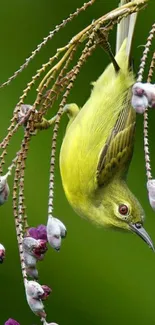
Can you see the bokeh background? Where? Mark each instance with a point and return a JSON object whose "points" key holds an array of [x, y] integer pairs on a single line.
{"points": [[99, 276]]}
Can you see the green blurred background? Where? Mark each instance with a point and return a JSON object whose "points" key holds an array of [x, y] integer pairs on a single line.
{"points": [[99, 277]]}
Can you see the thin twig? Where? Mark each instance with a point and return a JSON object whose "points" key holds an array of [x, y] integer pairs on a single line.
{"points": [[46, 39]]}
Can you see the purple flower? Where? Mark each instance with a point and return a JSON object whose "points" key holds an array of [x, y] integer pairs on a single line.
{"points": [[38, 232], [42, 233], [11, 321]]}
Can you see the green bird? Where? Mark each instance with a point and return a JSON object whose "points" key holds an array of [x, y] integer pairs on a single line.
{"points": [[98, 145]]}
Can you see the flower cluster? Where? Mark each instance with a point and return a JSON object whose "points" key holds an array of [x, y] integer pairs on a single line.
{"points": [[34, 247], [56, 82], [35, 243]]}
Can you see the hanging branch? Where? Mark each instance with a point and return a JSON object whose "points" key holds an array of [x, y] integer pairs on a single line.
{"points": [[139, 79], [46, 39], [58, 81], [111, 18]]}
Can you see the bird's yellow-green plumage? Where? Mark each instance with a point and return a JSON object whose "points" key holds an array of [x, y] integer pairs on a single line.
{"points": [[97, 149], [98, 145]]}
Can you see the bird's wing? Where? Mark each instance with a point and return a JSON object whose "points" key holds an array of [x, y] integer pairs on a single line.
{"points": [[117, 151]]}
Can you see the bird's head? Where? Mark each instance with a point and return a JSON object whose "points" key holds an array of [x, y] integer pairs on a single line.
{"points": [[125, 212]]}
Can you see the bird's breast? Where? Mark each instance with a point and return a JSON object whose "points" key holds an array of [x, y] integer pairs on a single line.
{"points": [[80, 150]]}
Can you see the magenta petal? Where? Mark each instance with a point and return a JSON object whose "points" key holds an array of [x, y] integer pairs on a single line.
{"points": [[38, 232], [33, 232], [47, 291], [42, 233], [11, 321]]}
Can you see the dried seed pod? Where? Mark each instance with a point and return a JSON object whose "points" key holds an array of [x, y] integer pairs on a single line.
{"points": [[4, 189], [2, 253], [151, 192], [21, 113], [55, 231], [34, 292]]}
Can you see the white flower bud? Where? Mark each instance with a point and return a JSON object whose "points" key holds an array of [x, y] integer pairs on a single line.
{"points": [[34, 293], [62, 228], [138, 89], [30, 260], [151, 186], [152, 203], [151, 192], [2, 253], [139, 103], [29, 244], [34, 289], [55, 231], [45, 323], [142, 90], [4, 189], [32, 272]]}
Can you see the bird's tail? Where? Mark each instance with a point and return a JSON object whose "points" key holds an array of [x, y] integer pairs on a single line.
{"points": [[125, 30]]}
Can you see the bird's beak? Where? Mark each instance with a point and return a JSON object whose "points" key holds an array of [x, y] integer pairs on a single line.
{"points": [[140, 231]]}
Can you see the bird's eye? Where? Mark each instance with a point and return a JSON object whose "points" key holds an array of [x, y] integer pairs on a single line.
{"points": [[123, 209]]}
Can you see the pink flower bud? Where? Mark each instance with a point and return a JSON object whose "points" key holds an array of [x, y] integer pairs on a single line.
{"points": [[138, 89], [4, 189], [47, 292], [151, 192], [2, 253], [35, 247], [55, 231], [41, 249], [34, 292]]}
